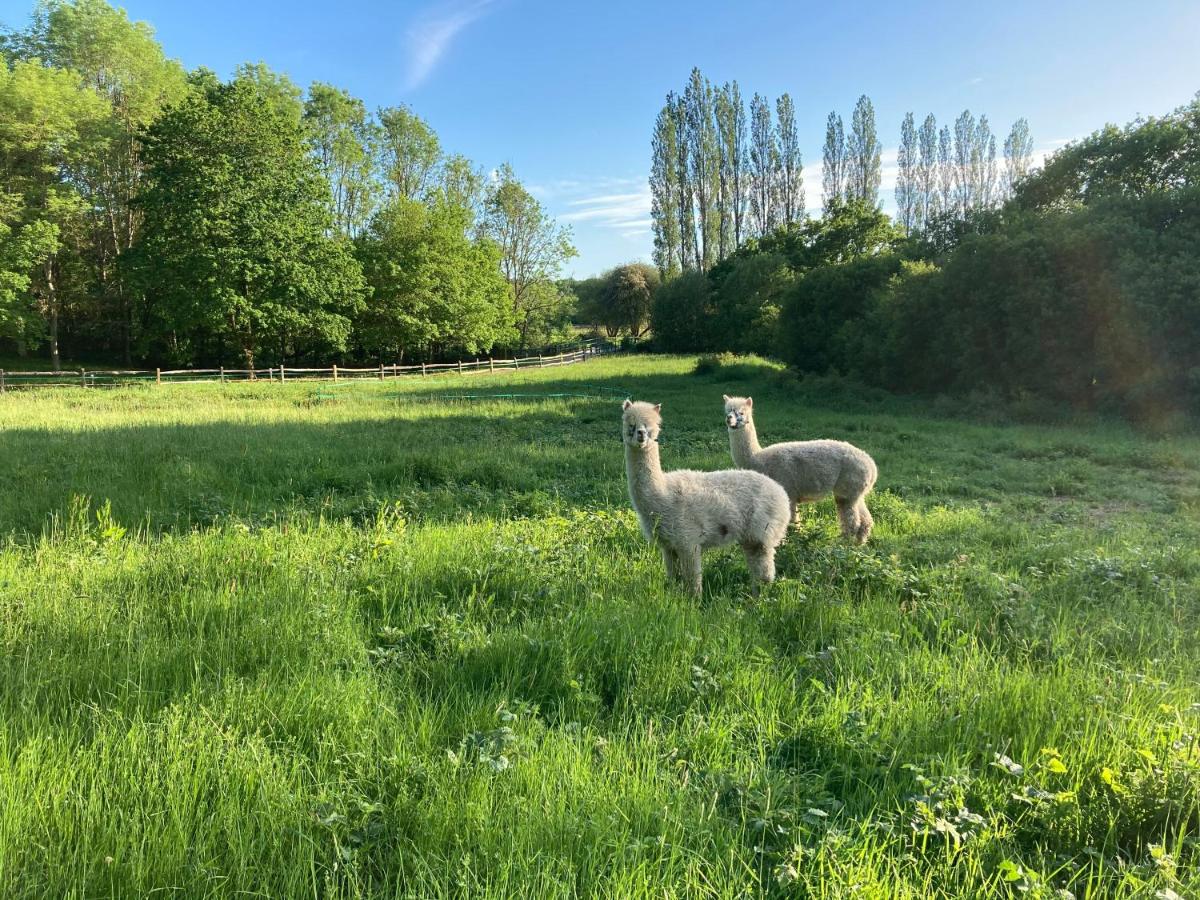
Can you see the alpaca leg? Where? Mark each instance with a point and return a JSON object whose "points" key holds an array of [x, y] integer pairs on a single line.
{"points": [[792, 511], [848, 516], [690, 569], [761, 562], [865, 522], [672, 564]]}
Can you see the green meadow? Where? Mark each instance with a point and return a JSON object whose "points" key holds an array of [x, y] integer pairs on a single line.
{"points": [[381, 639]]}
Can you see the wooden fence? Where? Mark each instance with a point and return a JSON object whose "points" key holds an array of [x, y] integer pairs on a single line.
{"points": [[282, 374]]}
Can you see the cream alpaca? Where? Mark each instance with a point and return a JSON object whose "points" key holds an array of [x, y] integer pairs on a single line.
{"points": [[686, 512], [808, 470]]}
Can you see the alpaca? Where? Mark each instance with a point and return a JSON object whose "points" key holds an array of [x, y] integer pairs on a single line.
{"points": [[807, 469], [686, 512]]}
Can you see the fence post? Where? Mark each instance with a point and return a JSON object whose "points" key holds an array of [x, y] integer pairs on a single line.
{"points": [[422, 370], [491, 364], [516, 362], [158, 376], [270, 373], [1, 381], [222, 374], [335, 371], [541, 361], [381, 371], [460, 367], [282, 369]]}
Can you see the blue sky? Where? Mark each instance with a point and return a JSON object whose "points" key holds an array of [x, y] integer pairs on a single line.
{"points": [[567, 91]]}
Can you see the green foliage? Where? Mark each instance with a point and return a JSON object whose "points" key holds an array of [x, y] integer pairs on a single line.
{"points": [[821, 323], [237, 254], [620, 300], [403, 646], [432, 287], [533, 250], [1147, 156], [684, 316]]}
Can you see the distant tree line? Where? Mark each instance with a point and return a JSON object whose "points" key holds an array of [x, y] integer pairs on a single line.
{"points": [[1076, 284], [149, 213]]}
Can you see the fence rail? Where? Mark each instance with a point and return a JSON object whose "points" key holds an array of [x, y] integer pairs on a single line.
{"points": [[282, 374]]}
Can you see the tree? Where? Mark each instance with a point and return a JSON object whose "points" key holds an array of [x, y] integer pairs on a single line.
{"points": [[629, 296], [343, 142], [122, 63], [863, 170], [703, 156], [409, 153], [946, 180], [965, 163], [739, 161], [1146, 157], [432, 287], [49, 121], [908, 180], [833, 158], [984, 161], [460, 184], [791, 167], [927, 170], [533, 249], [723, 112], [237, 249], [764, 164], [664, 191], [1018, 155], [686, 209]]}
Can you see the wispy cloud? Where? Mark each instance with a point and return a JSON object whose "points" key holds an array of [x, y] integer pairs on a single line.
{"points": [[627, 213], [431, 34]]}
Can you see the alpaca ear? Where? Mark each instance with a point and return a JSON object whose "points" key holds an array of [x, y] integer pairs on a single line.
{"points": [[658, 407], [725, 397], [628, 403], [749, 402]]}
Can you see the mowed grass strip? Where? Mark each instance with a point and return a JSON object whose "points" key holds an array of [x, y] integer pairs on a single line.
{"points": [[256, 642]]}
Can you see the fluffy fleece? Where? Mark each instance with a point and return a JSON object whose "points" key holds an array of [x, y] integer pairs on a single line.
{"points": [[686, 512], [808, 470]]}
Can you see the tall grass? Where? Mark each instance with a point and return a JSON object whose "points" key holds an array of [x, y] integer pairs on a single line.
{"points": [[260, 641]]}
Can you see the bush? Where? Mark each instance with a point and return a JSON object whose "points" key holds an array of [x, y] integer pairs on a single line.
{"points": [[683, 317]]}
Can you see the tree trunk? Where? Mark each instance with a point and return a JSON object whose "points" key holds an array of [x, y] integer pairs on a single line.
{"points": [[52, 315]]}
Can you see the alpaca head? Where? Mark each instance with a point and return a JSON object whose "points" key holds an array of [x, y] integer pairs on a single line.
{"points": [[640, 423], [738, 411]]}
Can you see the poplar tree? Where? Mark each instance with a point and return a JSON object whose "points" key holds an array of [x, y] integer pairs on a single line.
{"points": [[833, 160], [863, 150], [739, 151], [703, 156], [907, 181], [927, 170], [1018, 155], [791, 167], [945, 177], [965, 162], [764, 157], [664, 190]]}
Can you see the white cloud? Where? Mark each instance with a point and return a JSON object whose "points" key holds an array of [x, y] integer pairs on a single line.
{"points": [[626, 212], [430, 36]]}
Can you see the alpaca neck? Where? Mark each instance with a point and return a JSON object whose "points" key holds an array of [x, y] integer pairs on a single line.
{"points": [[743, 444], [646, 481]]}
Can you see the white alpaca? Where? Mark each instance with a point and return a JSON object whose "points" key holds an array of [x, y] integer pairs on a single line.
{"points": [[686, 512], [808, 470]]}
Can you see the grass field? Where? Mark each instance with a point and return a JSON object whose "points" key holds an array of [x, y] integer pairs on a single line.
{"points": [[256, 642]]}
